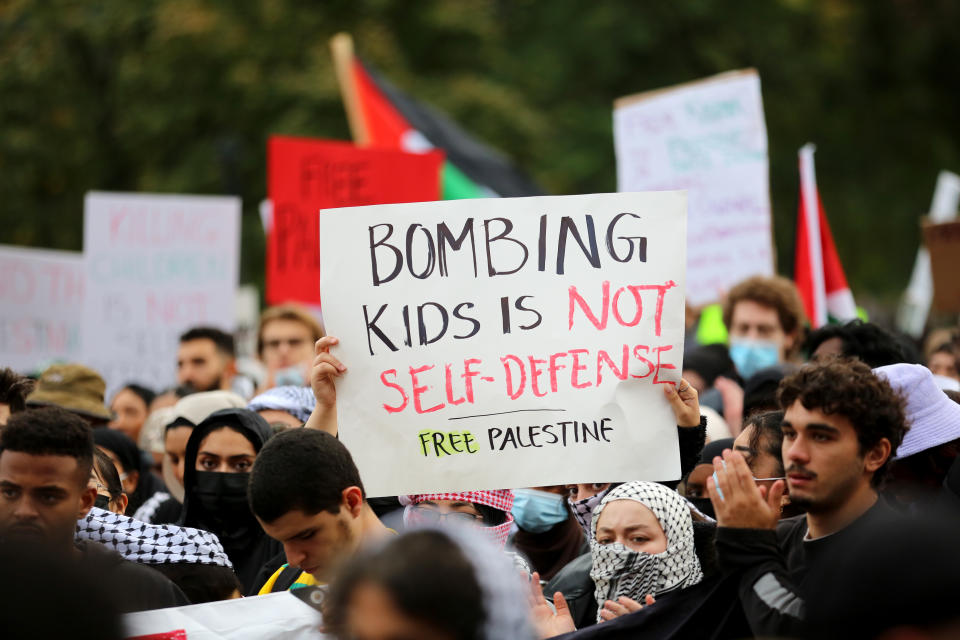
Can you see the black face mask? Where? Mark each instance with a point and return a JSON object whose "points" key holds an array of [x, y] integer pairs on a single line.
{"points": [[102, 502], [704, 505], [222, 494]]}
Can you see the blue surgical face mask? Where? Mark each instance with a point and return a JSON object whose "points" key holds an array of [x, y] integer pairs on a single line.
{"points": [[538, 511], [750, 356]]}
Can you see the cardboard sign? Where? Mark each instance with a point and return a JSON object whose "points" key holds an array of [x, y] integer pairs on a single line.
{"points": [[156, 265], [305, 176], [943, 243], [507, 343], [708, 137], [40, 292], [287, 615]]}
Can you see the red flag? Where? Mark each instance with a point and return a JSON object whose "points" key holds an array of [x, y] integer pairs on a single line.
{"points": [[817, 270], [306, 175]]}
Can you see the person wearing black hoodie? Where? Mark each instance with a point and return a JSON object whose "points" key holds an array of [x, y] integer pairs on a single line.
{"points": [[220, 455]]}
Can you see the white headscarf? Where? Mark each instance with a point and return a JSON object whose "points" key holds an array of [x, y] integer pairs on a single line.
{"points": [[505, 605], [619, 571]]}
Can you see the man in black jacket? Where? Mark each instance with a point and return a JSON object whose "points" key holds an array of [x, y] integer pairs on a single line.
{"points": [[46, 456], [842, 425]]}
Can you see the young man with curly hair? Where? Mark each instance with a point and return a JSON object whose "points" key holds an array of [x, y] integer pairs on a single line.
{"points": [[841, 426]]}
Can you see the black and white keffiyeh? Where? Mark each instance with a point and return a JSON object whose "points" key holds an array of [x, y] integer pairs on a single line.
{"points": [[583, 509], [297, 401], [151, 543], [619, 571], [149, 508]]}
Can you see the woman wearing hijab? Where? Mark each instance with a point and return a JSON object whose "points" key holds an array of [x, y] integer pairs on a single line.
{"points": [[448, 584], [176, 424], [138, 481], [645, 562], [219, 456]]}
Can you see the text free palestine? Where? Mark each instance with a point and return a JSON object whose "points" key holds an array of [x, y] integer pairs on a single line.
{"points": [[564, 432]]}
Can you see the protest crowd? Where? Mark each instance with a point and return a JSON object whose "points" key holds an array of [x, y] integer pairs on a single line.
{"points": [[825, 443], [672, 442]]}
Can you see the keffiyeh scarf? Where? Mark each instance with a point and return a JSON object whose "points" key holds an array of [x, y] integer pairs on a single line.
{"points": [[502, 500], [619, 571], [151, 543], [297, 401], [583, 509]]}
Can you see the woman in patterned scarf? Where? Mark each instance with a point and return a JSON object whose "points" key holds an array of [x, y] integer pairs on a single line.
{"points": [[642, 547]]}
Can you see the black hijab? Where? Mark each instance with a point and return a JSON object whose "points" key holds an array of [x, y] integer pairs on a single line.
{"points": [[131, 459], [247, 546]]}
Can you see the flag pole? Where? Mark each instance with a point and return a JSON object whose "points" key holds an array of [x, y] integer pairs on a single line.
{"points": [[341, 48]]}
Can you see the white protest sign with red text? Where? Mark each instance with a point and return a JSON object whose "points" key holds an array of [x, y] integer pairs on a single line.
{"points": [[40, 293], [507, 343], [156, 265], [709, 138]]}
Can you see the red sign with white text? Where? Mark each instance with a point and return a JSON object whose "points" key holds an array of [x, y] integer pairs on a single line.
{"points": [[305, 175]]}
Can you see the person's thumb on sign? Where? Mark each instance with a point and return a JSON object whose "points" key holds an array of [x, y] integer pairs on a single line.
{"points": [[326, 368], [685, 403]]}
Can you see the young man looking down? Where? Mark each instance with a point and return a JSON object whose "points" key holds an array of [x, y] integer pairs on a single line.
{"points": [[306, 492]]}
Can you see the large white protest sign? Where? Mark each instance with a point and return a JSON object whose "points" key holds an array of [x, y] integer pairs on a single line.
{"points": [[290, 615], [507, 343], [40, 293], [708, 137], [155, 266]]}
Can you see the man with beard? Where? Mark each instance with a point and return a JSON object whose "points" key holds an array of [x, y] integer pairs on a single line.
{"points": [[306, 492], [841, 425], [206, 359], [46, 456]]}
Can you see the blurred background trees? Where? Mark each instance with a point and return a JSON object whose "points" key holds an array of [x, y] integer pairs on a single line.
{"points": [[180, 96]]}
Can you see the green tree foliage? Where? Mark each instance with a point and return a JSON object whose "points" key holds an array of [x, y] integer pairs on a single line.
{"points": [[180, 96]]}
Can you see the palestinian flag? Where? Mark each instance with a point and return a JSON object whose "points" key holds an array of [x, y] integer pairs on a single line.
{"points": [[817, 269], [381, 115]]}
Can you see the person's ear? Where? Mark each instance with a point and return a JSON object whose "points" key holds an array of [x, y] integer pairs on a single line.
{"points": [[122, 503], [789, 342], [877, 455], [131, 481], [87, 499], [353, 500]]}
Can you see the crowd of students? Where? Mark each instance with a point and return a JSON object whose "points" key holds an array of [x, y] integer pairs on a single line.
{"points": [[819, 498]]}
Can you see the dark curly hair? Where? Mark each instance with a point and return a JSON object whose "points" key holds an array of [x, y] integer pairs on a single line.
{"points": [[849, 388], [869, 342], [767, 436], [51, 431]]}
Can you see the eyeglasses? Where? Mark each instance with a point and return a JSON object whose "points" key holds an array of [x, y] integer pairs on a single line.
{"points": [[433, 516]]}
